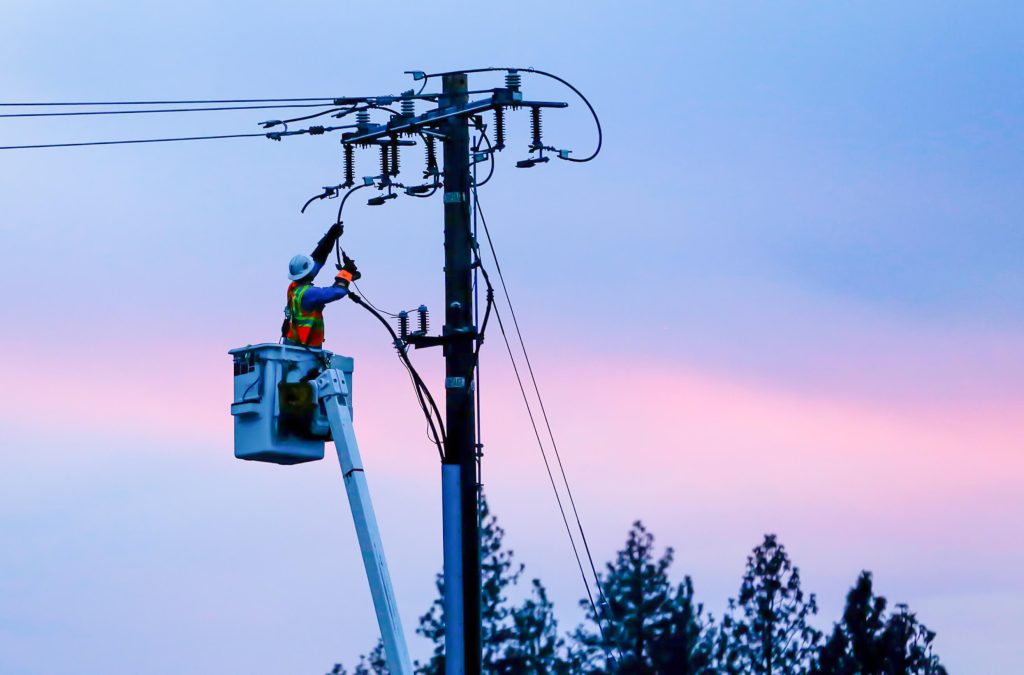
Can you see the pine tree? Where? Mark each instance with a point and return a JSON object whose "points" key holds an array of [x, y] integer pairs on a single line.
{"points": [[766, 631], [682, 645], [648, 626], [908, 645], [854, 645], [373, 663], [520, 640], [535, 647], [867, 642]]}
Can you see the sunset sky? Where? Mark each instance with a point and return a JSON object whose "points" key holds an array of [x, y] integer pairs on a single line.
{"points": [[787, 297]]}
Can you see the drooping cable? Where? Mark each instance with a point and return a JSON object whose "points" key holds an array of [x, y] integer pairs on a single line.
{"points": [[597, 120], [129, 142], [598, 615], [393, 315], [423, 395], [341, 206]]}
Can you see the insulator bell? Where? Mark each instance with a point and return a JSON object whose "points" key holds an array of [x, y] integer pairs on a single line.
{"points": [[535, 128], [395, 161], [499, 128], [430, 145], [513, 80], [350, 166], [403, 324], [424, 318], [363, 118], [409, 107], [385, 171]]}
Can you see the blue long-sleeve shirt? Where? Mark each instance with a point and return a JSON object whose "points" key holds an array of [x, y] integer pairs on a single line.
{"points": [[316, 297]]}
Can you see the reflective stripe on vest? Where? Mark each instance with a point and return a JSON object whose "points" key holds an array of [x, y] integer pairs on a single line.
{"points": [[305, 327]]}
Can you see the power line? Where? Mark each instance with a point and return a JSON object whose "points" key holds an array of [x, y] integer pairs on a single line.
{"points": [[540, 444], [192, 102], [77, 113], [140, 140]]}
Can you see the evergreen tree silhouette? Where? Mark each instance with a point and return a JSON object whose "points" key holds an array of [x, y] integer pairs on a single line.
{"points": [[766, 631], [513, 637], [649, 626], [866, 642]]}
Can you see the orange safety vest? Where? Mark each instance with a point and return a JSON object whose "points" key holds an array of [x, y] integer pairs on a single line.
{"points": [[306, 328]]}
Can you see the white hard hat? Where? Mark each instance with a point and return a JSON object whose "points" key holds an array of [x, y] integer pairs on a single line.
{"points": [[300, 266]]}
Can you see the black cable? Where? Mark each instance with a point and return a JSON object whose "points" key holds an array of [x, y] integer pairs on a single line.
{"points": [[341, 206], [367, 301], [490, 154], [429, 194], [308, 117], [476, 356], [161, 110], [226, 100], [547, 422], [547, 466], [597, 121], [143, 140], [421, 388], [431, 434]]}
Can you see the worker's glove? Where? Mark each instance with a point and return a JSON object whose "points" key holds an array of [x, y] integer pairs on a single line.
{"points": [[350, 267], [335, 232], [347, 272]]}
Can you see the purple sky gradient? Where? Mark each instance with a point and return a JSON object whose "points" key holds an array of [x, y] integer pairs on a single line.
{"points": [[789, 297]]}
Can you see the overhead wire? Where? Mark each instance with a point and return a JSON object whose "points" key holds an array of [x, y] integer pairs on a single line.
{"points": [[309, 117], [77, 113], [129, 142], [586, 101], [184, 102], [598, 615]]}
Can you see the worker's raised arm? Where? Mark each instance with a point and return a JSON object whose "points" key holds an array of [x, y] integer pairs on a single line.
{"points": [[323, 247]]}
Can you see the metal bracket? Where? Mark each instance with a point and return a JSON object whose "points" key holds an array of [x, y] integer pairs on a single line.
{"points": [[331, 383], [421, 341], [406, 125]]}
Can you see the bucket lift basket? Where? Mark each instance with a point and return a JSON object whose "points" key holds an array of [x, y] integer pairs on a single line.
{"points": [[278, 416]]}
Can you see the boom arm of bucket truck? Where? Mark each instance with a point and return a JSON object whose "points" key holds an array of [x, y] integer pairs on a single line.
{"points": [[332, 392]]}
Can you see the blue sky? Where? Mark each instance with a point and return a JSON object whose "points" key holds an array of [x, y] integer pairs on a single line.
{"points": [[801, 249]]}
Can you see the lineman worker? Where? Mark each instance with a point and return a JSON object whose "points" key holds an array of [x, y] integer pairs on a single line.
{"points": [[304, 313]]}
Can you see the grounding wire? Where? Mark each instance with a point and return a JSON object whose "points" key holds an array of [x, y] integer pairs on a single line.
{"points": [[597, 120], [129, 142], [522, 343]]}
